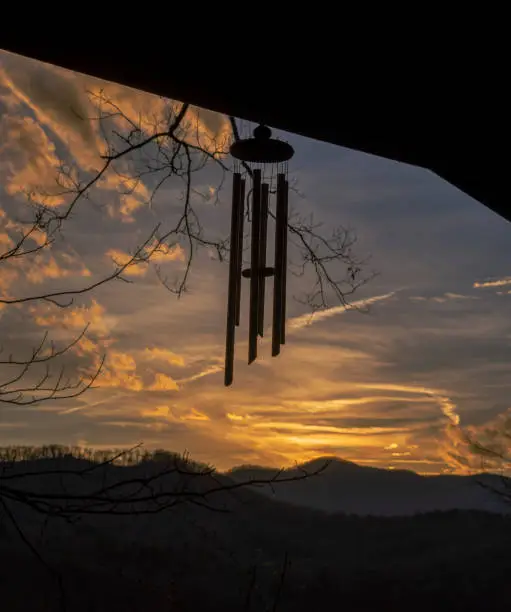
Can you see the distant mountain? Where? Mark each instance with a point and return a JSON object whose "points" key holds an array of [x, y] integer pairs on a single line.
{"points": [[350, 488], [231, 555]]}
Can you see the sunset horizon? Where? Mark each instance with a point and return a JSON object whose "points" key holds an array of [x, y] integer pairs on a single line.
{"points": [[401, 379]]}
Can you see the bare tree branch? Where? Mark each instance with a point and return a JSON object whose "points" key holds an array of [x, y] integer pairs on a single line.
{"points": [[138, 151], [149, 493]]}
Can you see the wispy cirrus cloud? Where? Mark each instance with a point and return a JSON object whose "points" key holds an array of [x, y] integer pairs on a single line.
{"points": [[447, 407], [164, 355], [498, 282], [395, 388], [441, 299], [305, 320], [293, 325]]}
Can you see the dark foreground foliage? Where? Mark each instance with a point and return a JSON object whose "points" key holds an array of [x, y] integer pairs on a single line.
{"points": [[251, 553]]}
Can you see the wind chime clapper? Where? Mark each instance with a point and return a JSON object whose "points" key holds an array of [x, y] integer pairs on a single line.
{"points": [[263, 161]]}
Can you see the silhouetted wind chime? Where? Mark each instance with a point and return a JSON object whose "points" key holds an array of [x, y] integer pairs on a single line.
{"points": [[264, 160]]}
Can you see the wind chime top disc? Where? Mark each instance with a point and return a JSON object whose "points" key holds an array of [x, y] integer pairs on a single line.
{"points": [[262, 148]]}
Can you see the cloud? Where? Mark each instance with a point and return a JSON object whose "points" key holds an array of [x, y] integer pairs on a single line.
{"points": [[120, 367], [7, 278], [64, 108], [298, 323], [236, 417], [163, 382], [369, 389], [58, 101], [163, 411], [281, 426], [447, 407], [476, 448], [161, 253], [195, 415], [213, 369], [500, 282], [75, 318], [154, 253], [121, 370], [43, 266], [62, 118], [28, 160], [200, 127], [51, 262], [441, 299], [302, 321], [159, 354], [135, 268], [133, 194]]}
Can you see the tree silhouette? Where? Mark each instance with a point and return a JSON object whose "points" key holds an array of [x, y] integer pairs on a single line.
{"points": [[72, 483], [159, 150], [167, 148]]}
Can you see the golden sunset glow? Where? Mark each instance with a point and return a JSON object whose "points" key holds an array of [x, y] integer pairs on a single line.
{"points": [[393, 380]]}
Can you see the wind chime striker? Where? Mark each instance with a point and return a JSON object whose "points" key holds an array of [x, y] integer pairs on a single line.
{"points": [[263, 161]]}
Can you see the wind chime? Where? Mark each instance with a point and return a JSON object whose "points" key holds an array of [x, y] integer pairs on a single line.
{"points": [[261, 175]]}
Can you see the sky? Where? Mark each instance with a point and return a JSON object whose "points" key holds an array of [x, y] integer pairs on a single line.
{"points": [[397, 384]]}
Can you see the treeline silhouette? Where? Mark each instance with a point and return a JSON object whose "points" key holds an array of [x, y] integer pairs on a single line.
{"points": [[255, 554], [117, 456]]}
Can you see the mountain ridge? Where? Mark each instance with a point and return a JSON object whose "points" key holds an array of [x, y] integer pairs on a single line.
{"points": [[348, 487]]}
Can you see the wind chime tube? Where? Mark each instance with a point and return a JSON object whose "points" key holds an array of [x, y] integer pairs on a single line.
{"points": [[240, 248], [277, 287], [234, 281], [262, 255], [254, 263], [285, 215]]}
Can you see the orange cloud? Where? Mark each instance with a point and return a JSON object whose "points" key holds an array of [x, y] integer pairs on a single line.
{"points": [[298, 323], [58, 100], [75, 318], [33, 267], [120, 368], [157, 412], [10, 227], [476, 448], [132, 193], [7, 277], [500, 282], [236, 417], [164, 412], [86, 346], [447, 407], [164, 252], [120, 371], [151, 113], [28, 161], [66, 107], [122, 361], [42, 266], [162, 382], [194, 415], [152, 253], [158, 354], [5, 241], [391, 446], [121, 259]]}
